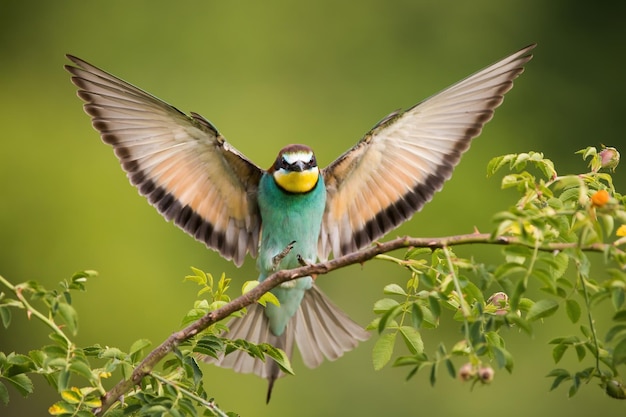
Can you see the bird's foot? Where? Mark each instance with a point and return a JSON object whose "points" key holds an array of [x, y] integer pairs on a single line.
{"points": [[276, 260]]}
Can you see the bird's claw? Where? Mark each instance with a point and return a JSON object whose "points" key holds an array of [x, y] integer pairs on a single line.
{"points": [[276, 260]]}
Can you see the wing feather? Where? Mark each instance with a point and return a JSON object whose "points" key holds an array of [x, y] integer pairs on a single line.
{"points": [[181, 163], [398, 166]]}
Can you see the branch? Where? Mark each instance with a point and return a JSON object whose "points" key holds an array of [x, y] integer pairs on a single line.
{"points": [[154, 357]]}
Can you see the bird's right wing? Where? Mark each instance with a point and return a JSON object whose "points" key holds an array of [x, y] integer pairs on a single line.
{"points": [[180, 163]]}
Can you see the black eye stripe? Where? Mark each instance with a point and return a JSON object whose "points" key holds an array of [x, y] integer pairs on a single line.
{"points": [[282, 163]]}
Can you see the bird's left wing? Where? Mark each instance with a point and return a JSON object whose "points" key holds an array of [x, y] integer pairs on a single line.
{"points": [[180, 163], [398, 166]]}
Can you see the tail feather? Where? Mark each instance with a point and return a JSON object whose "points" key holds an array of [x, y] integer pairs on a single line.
{"points": [[323, 330], [254, 327], [319, 328]]}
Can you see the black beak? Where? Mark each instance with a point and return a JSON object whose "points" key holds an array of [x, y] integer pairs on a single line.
{"points": [[298, 166]]}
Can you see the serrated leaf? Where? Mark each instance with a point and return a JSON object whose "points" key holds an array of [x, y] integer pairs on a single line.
{"points": [[82, 369], [138, 345], [112, 353], [21, 382], [495, 164], [413, 339], [394, 289], [72, 396], [383, 349], [280, 357], [268, 297], [541, 309], [572, 308], [384, 304], [61, 408]]}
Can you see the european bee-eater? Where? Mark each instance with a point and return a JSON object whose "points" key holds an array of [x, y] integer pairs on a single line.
{"points": [[294, 210]]}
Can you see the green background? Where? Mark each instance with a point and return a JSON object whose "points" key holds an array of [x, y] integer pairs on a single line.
{"points": [[267, 74]]}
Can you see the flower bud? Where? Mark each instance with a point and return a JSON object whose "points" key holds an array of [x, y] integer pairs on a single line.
{"points": [[486, 374], [615, 389], [501, 301], [467, 372], [609, 158]]}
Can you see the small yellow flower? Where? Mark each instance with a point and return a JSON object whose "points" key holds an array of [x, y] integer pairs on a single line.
{"points": [[621, 231], [600, 198]]}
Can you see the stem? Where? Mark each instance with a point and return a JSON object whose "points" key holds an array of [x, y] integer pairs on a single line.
{"points": [[207, 404], [583, 282], [465, 309], [17, 290]]}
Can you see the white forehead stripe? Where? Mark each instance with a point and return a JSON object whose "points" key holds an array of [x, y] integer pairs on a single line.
{"points": [[292, 157]]}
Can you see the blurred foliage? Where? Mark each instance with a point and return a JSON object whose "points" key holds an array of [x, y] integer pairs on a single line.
{"points": [[268, 74]]}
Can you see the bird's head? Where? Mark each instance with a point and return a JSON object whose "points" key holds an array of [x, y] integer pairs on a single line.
{"points": [[295, 169]]}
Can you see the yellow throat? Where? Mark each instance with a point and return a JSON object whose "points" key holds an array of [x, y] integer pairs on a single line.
{"points": [[297, 181]]}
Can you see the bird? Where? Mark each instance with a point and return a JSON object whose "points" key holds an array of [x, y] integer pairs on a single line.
{"points": [[294, 212]]}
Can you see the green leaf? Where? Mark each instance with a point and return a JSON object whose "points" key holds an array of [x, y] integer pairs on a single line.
{"points": [[5, 316], [495, 164], [559, 375], [542, 309], [82, 369], [138, 345], [435, 308], [503, 358], [580, 352], [394, 289], [22, 383], [383, 349], [384, 304], [620, 316], [617, 297], [619, 353], [572, 308], [413, 339], [388, 317], [558, 351], [417, 315], [4, 394], [70, 317], [508, 269], [614, 331], [279, 356], [450, 368]]}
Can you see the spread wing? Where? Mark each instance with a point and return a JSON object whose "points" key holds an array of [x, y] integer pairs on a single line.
{"points": [[398, 166], [180, 163]]}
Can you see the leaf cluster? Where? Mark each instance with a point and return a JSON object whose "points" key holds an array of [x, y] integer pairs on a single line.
{"points": [[556, 221]]}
